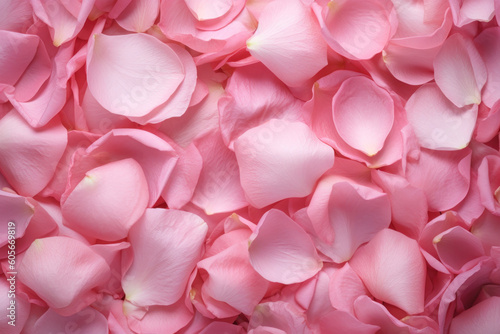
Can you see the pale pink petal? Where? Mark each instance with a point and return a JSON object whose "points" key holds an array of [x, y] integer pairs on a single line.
{"points": [[467, 11], [254, 96], [161, 319], [444, 176], [18, 51], [459, 71], [148, 71], [229, 278], [358, 29], [343, 322], [488, 181], [281, 251], [63, 272], [422, 24], [287, 317], [65, 18], [15, 316], [345, 287], [438, 123], [107, 201], [87, 321], [480, 318], [218, 188], [364, 129], [17, 210], [272, 154], [15, 15], [205, 11], [488, 45], [287, 37], [356, 214], [166, 246], [139, 16], [30, 171], [457, 247], [393, 270], [411, 66]]}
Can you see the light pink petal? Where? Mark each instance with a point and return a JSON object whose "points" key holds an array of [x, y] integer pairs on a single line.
{"points": [[457, 247], [230, 278], [444, 176], [488, 181], [271, 154], [14, 209], [15, 316], [278, 315], [218, 188], [363, 128], [18, 51], [438, 123], [356, 214], [204, 11], [107, 201], [281, 251], [289, 37], [30, 171], [358, 29], [487, 228], [148, 71], [345, 287], [393, 270], [156, 157], [422, 24], [480, 318], [411, 66], [488, 45], [467, 11], [166, 246], [87, 320], [161, 319], [139, 16], [342, 322], [254, 96], [223, 327], [459, 71], [65, 18], [63, 271], [15, 15]]}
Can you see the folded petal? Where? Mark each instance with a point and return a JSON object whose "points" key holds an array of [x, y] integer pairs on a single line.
{"points": [[166, 244], [393, 270], [411, 66], [444, 176], [358, 29], [488, 45], [148, 71], [281, 251], [107, 201], [468, 11], [480, 318], [30, 171], [18, 51], [230, 278], [161, 319], [345, 287], [63, 272], [87, 320], [438, 123], [272, 154], [363, 114], [139, 16], [289, 37], [281, 315], [459, 71]]}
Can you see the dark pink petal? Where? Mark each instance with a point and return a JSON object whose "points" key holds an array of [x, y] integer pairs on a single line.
{"points": [[488, 45], [271, 154], [393, 270], [281, 251], [30, 171], [288, 36], [166, 246]]}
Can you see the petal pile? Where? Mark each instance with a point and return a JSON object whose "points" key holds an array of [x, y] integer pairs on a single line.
{"points": [[249, 166]]}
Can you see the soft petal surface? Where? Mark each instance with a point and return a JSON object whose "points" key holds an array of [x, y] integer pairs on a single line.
{"points": [[148, 70], [289, 37], [362, 127], [272, 153], [139, 15], [393, 270], [481, 318], [42, 148], [438, 123], [488, 45], [459, 71], [87, 320], [166, 246], [64, 284], [108, 200], [281, 251]]}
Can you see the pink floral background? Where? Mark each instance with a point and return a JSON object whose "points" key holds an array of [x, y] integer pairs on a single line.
{"points": [[249, 166]]}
